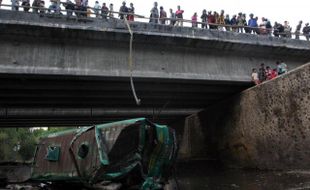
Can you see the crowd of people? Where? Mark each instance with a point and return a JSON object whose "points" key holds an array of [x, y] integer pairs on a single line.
{"points": [[208, 19], [268, 73]]}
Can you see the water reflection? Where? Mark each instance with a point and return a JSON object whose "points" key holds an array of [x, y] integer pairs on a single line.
{"points": [[207, 175]]}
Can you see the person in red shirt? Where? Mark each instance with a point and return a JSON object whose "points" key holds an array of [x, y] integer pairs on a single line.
{"points": [[179, 16], [268, 73], [211, 20], [274, 73], [131, 10], [194, 20]]}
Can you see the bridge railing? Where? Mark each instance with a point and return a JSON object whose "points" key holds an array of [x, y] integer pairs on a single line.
{"points": [[82, 15]]}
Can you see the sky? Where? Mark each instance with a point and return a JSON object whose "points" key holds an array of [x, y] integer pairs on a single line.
{"points": [[274, 10]]}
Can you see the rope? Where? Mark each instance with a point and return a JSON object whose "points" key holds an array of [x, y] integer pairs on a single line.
{"points": [[130, 64]]}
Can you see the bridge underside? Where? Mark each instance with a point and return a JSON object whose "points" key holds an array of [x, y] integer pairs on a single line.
{"points": [[41, 100], [55, 71]]}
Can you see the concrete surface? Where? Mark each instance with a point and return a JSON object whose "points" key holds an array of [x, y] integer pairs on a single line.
{"points": [[265, 127], [56, 46], [50, 63]]}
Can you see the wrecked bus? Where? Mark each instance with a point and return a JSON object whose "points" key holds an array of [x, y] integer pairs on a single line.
{"points": [[133, 152]]}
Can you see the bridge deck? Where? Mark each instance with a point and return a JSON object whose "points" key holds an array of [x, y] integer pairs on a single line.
{"points": [[59, 71]]}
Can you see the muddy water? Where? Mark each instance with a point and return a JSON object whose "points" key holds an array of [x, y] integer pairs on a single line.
{"points": [[205, 175]]}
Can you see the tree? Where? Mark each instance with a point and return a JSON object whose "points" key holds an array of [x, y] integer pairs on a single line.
{"points": [[19, 144]]}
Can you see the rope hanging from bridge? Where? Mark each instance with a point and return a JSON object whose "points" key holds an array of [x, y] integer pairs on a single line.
{"points": [[130, 64]]}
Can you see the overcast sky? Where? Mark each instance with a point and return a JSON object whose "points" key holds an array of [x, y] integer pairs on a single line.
{"points": [[274, 10]]}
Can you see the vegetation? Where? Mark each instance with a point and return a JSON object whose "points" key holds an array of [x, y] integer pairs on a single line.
{"points": [[18, 144]]}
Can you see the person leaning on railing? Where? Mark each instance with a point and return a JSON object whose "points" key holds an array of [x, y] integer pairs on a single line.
{"points": [[55, 6], [35, 6], [69, 6], [26, 5], [80, 11]]}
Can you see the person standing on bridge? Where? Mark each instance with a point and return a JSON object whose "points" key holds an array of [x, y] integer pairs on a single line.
{"points": [[297, 31], [240, 22], [26, 5], [227, 23], [154, 14], [55, 6], [111, 13], [221, 21], [69, 6], [278, 29], [35, 6], [97, 8], [131, 10], [252, 23], [204, 17], [104, 11], [179, 16], [287, 30], [306, 31], [233, 22], [172, 18], [123, 10], [162, 15], [194, 21], [42, 7], [15, 5]]}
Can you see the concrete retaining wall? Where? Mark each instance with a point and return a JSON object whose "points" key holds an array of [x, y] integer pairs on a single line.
{"points": [[266, 127]]}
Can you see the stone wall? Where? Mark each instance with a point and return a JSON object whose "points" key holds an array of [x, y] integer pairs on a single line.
{"points": [[265, 127]]}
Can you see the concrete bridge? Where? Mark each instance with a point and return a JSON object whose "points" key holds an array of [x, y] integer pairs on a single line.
{"points": [[59, 71]]}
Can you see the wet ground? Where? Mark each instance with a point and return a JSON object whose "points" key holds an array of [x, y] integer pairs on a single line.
{"points": [[202, 175], [205, 175]]}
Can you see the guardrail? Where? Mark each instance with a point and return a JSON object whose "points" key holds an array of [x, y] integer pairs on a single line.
{"points": [[80, 14]]}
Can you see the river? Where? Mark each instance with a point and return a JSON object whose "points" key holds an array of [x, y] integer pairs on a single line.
{"points": [[209, 175]]}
